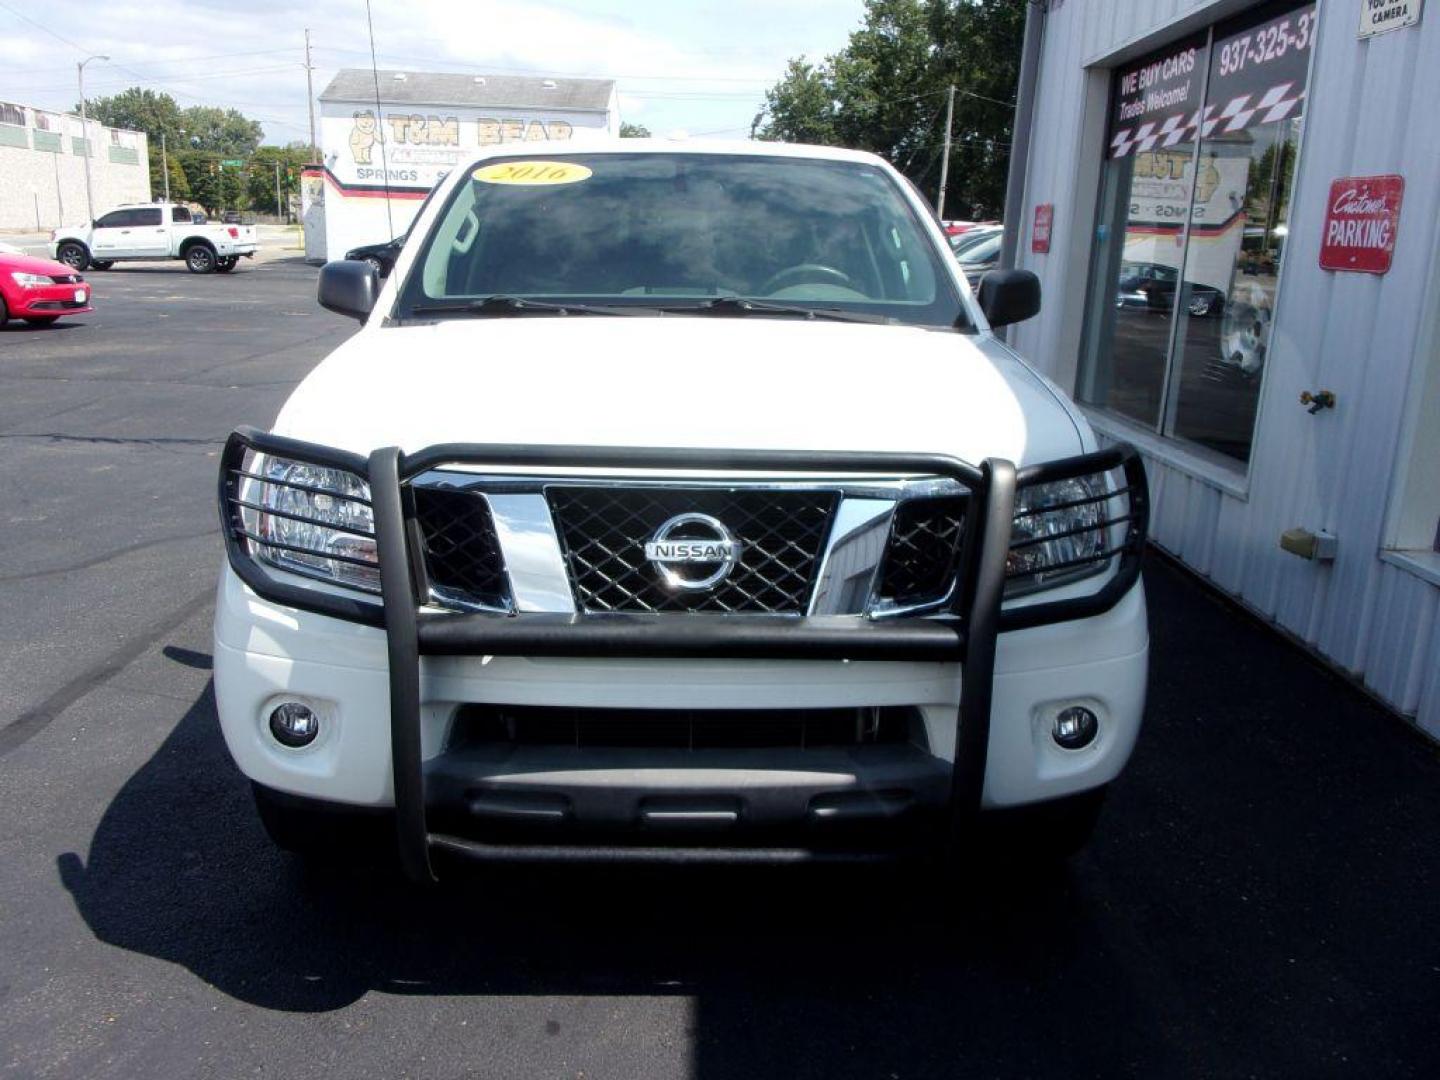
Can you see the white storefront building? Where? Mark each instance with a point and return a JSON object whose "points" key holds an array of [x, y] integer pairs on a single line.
{"points": [[1234, 211], [379, 163], [42, 168]]}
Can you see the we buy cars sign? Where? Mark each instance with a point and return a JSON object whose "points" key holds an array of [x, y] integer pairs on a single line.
{"points": [[1361, 222]]}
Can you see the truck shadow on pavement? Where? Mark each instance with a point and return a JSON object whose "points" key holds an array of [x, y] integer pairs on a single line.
{"points": [[1256, 901], [179, 869]]}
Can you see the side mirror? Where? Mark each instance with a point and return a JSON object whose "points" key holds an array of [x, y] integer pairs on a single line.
{"points": [[349, 288], [1009, 296]]}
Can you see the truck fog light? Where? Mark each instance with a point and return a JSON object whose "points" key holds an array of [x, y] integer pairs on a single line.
{"points": [[294, 724], [1075, 727]]}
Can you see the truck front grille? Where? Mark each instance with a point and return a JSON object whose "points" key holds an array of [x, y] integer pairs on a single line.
{"points": [[924, 553], [463, 561], [603, 531]]}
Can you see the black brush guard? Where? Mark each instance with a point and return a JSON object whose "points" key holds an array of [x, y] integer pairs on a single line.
{"points": [[965, 633]]}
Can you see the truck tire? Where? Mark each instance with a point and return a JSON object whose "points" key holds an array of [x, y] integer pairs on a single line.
{"points": [[101, 264], [200, 258], [226, 264], [74, 255], [324, 832]]}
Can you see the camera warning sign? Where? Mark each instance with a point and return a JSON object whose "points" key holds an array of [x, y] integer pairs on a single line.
{"points": [[1361, 223], [1382, 16]]}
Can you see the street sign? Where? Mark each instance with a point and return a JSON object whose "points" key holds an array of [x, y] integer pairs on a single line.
{"points": [[1361, 223], [233, 163]]}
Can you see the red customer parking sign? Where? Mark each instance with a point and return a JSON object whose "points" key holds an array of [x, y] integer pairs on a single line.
{"points": [[1361, 222], [1040, 234]]}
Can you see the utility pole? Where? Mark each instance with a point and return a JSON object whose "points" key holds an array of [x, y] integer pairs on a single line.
{"points": [[945, 154], [165, 166], [278, 211], [85, 134], [310, 97]]}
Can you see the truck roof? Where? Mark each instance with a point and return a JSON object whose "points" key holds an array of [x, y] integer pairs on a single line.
{"points": [[680, 144]]}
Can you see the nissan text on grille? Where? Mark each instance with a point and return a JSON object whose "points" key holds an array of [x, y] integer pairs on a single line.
{"points": [[679, 500]]}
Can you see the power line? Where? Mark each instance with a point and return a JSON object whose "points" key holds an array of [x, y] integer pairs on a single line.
{"points": [[982, 97], [926, 127], [165, 80], [719, 131], [42, 27], [159, 63], [550, 71]]}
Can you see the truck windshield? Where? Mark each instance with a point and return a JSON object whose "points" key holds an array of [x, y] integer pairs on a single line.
{"points": [[674, 233]]}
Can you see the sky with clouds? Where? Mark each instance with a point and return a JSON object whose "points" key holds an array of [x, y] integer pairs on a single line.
{"points": [[700, 66]]}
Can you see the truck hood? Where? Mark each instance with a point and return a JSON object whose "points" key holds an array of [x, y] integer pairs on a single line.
{"points": [[681, 381]]}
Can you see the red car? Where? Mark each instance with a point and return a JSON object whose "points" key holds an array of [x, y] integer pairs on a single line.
{"points": [[40, 291]]}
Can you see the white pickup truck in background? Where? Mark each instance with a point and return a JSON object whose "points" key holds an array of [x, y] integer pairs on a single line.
{"points": [[153, 231]]}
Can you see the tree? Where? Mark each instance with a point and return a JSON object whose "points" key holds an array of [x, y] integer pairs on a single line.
{"points": [[144, 110], [179, 183], [139, 110], [886, 90], [260, 175], [802, 107], [221, 131], [212, 184], [633, 131]]}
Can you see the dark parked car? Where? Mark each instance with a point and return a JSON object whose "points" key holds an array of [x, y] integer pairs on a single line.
{"points": [[980, 258], [381, 257], [963, 242], [1152, 286]]}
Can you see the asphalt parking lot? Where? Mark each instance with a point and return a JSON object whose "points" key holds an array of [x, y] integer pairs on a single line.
{"points": [[1261, 900]]}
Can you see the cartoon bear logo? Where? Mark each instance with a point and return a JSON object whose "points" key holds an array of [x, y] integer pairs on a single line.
{"points": [[363, 137], [1207, 181]]}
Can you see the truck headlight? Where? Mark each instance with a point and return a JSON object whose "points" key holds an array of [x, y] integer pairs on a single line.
{"points": [[1059, 534], [311, 520], [30, 281]]}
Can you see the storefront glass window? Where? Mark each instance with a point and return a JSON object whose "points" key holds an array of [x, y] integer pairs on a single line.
{"points": [[1184, 352]]}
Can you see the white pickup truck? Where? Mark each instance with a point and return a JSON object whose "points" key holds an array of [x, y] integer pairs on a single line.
{"points": [[137, 231], [677, 501]]}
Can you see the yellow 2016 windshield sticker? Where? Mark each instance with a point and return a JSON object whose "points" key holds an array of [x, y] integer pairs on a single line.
{"points": [[534, 173]]}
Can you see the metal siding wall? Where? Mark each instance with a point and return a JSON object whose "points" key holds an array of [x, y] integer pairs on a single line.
{"points": [[1372, 109]]}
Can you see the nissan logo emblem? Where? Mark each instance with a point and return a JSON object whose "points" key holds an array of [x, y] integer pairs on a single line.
{"points": [[693, 541]]}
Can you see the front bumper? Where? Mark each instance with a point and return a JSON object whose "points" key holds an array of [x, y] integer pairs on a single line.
{"points": [[49, 300], [388, 681]]}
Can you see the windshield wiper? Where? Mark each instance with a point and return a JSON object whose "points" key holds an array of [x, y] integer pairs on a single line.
{"points": [[739, 305], [503, 304]]}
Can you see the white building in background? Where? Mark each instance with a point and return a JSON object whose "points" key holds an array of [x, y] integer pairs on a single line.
{"points": [[380, 163], [1275, 166], [42, 168]]}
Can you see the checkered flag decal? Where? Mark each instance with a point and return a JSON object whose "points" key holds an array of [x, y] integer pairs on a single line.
{"points": [[1276, 103]]}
